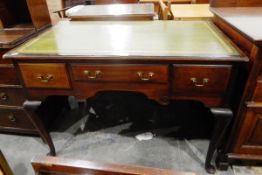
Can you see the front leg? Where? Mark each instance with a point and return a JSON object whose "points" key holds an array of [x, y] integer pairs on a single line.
{"points": [[30, 108], [222, 116]]}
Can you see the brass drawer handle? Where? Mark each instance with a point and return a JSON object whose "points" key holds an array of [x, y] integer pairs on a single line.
{"points": [[45, 79], [89, 75], [198, 83], [143, 77], [3, 96], [12, 118]]}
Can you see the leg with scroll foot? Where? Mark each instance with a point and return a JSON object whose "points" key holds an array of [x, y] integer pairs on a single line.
{"points": [[30, 108], [222, 117]]}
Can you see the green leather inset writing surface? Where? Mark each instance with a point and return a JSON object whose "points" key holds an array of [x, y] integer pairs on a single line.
{"points": [[141, 38]]}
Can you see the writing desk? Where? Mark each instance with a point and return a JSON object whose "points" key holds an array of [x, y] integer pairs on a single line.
{"points": [[112, 12], [162, 59], [191, 12]]}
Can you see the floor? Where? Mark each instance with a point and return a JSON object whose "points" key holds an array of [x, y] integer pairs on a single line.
{"points": [[107, 145], [75, 138]]}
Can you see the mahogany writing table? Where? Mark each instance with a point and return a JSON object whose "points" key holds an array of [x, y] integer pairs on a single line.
{"points": [[162, 59], [112, 12]]}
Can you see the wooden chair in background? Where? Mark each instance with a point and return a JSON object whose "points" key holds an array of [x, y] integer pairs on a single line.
{"points": [[165, 10], [58, 166], [62, 13]]}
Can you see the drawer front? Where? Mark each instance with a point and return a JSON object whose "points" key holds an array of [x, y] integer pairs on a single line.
{"points": [[14, 118], [8, 75], [44, 75], [12, 96], [195, 79], [121, 73], [249, 140]]}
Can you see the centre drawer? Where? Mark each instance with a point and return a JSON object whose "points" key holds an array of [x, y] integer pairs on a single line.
{"points": [[120, 73], [44, 75], [195, 79]]}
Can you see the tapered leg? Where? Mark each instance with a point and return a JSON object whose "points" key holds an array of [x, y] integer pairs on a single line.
{"points": [[222, 117], [30, 108]]}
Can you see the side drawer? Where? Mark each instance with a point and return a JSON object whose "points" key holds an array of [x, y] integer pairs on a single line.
{"points": [[8, 75], [44, 75], [12, 96], [14, 119], [120, 73], [195, 79]]}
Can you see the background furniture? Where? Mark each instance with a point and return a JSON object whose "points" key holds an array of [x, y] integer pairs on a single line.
{"points": [[163, 64], [165, 11], [4, 167], [156, 3], [243, 25], [111, 12], [20, 20], [71, 3], [235, 3], [24, 13], [115, 1], [55, 165], [191, 12]]}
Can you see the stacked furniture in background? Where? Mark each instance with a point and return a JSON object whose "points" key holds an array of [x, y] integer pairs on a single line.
{"points": [[20, 20], [191, 12], [107, 12], [241, 21], [235, 3]]}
